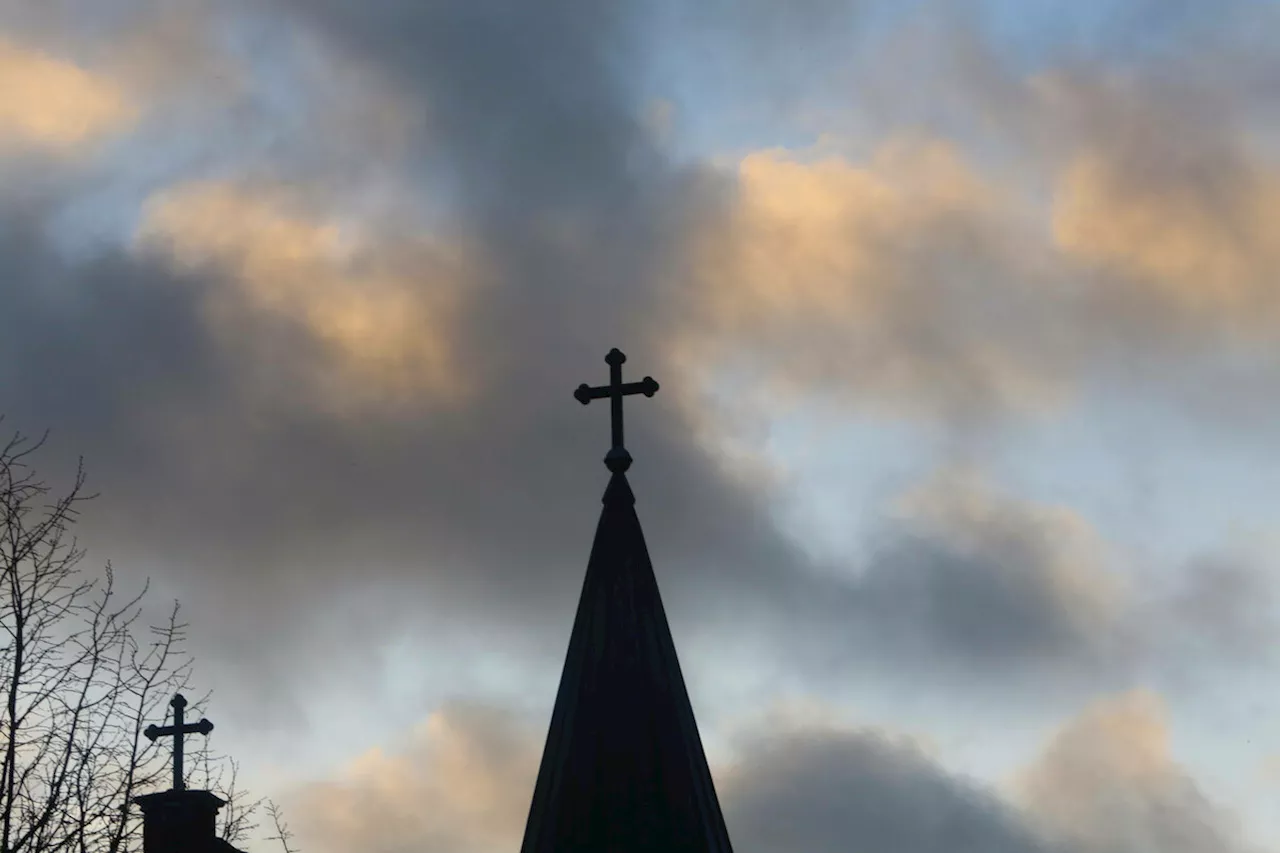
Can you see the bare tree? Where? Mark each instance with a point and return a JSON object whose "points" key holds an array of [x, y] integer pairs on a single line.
{"points": [[81, 674], [283, 835]]}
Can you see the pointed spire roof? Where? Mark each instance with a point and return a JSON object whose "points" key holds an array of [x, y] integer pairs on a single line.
{"points": [[623, 770]]}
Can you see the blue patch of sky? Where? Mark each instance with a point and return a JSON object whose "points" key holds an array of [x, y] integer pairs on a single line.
{"points": [[105, 211], [735, 77], [1030, 36], [1225, 735], [846, 471], [1149, 475]]}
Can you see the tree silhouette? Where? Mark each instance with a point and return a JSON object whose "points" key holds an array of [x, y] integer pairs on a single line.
{"points": [[81, 674]]}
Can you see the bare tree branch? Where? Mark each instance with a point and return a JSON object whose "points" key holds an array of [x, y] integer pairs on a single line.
{"points": [[283, 835]]}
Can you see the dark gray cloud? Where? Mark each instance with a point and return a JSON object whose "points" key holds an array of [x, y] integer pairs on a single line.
{"points": [[1223, 607], [91, 347], [976, 591], [1106, 783], [972, 588], [291, 532], [529, 111], [826, 791], [266, 516]]}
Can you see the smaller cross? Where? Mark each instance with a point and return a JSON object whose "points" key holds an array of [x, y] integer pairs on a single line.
{"points": [[618, 459], [177, 730]]}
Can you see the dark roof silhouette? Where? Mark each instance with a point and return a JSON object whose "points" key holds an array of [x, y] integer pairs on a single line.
{"points": [[623, 770]]}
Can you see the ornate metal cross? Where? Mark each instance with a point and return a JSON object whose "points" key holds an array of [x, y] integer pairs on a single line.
{"points": [[618, 459], [177, 730]]}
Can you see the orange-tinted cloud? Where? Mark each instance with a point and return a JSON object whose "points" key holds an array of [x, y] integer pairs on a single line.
{"points": [[51, 103], [1108, 781], [889, 279], [462, 783], [381, 312], [1208, 261]]}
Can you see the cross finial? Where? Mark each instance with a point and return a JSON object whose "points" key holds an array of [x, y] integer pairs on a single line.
{"points": [[618, 459], [177, 730]]}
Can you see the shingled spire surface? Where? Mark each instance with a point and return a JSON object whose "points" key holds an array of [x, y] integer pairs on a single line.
{"points": [[623, 770]]}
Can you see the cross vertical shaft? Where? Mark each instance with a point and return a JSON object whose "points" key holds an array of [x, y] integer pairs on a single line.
{"points": [[618, 459], [176, 731], [178, 782], [615, 398]]}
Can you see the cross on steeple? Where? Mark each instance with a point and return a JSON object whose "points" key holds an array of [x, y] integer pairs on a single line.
{"points": [[177, 730], [618, 459]]}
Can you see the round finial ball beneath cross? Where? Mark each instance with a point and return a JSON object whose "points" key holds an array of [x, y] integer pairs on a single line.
{"points": [[615, 356], [617, 460], [179, 701]]}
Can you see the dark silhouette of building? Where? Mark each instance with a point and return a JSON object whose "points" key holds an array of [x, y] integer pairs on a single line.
{"points": [[623, 770], [180, 820]]}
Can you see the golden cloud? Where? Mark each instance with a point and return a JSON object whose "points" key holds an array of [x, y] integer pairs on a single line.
{"points": [[873, 278], [55, 104], [1125, 736], [383, 312], [1210, 259], [1108, 781], [463, 782], [810, 239]]}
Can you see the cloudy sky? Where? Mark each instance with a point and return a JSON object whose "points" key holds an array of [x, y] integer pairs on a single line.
{"points": [[961, 484]]}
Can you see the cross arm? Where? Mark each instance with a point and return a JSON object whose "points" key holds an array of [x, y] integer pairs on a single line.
{"points": [[585, 393], [153, 731], [647, 386]]}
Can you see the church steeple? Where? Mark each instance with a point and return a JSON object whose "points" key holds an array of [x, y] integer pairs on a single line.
{"points": [[623, 770]]}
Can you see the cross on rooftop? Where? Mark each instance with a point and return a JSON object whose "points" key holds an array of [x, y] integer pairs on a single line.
{"points": [[618, 459], [177, 730]]}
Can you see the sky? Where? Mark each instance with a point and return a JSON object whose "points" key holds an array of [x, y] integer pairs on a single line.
{"points": [[959, 486]]}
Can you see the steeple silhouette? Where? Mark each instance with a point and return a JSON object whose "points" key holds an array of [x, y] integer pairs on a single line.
{"points": [[623, 770]]}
